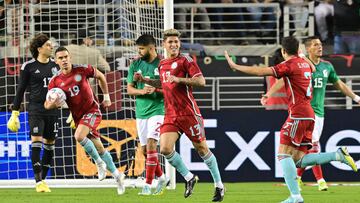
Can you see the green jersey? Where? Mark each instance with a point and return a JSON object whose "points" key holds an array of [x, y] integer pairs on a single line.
{"points": [[324, 73], [150, 104]]}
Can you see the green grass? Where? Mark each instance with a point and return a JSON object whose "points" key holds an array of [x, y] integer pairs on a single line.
{"points": [[235, 193]]}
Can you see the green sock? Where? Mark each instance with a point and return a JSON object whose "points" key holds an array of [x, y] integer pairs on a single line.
{"points": [[289, 170], [90, 148], [211, 162], [316, 159], [176, 161], [106, 157]]}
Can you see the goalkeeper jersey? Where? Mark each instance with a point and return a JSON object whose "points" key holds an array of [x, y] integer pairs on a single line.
{"points": [[147, 105], [324, 73]]}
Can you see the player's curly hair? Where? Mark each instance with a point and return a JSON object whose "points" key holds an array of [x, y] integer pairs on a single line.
{"points": [[171, 33], [37, 42]]}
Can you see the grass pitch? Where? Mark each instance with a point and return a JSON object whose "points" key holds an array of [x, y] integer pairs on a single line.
{"points": [[235, 193]]}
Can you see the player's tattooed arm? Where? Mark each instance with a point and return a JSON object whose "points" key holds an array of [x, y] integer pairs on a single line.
{"points": [[198, 81], [152, 82]]}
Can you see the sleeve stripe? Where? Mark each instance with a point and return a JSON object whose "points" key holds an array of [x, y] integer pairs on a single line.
{"points": [[196, 75], [273, 70], [188, 58]]}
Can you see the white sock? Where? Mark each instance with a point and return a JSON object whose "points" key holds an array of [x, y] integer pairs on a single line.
{"points": [[219, 185], [99, 161], [162, 177], [188, 176]]}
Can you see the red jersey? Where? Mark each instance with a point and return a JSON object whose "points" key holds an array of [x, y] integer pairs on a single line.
{"points": [[79, 95], [178, 98], [296, 73]]}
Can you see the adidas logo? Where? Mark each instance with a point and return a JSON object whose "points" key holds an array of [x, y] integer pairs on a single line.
{"points": [[37, 71]]}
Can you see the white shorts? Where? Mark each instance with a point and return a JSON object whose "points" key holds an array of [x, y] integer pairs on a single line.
{"points": [[149, 128], [318, 128]]}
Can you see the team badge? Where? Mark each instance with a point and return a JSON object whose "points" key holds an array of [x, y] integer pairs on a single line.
{"points": [[325, 72], [54, 70], [77, 78], [62, 84], [174, 65], [156, 71]]}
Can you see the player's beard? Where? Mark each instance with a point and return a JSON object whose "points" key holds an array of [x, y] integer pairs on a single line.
{"points": [[146, 57]]}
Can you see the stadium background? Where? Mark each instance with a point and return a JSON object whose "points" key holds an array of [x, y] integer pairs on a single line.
{"points": [[242, 136]]}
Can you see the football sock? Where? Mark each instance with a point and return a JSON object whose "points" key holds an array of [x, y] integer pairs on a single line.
{"points": [[107, 158], [158, 170], [289, 170], [151, 164], [90, 148], [317, 171], [300, 171], [175, 160], [316, 159], [46, 159], [211, 162], [35, 159]]}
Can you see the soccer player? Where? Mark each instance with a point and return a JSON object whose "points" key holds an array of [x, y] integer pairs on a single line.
{"points": [[34, 76], [149, 109], [295, 134], [84, 106], [324, 73], [178, 74]]}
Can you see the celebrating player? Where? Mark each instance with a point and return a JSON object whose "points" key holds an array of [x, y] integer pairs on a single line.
{"points": [[149, 109], [295, 134], [178, 74], [84, 106], [324, 73], [34, 76]]}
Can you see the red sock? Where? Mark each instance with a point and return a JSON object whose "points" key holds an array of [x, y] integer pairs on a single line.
{"points": [[300, 171], [317, 171], [158, 171], [151, 164]]}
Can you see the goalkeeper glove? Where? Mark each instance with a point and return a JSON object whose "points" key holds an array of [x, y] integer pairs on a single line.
{"points": [[71, 121], [14, 122]]}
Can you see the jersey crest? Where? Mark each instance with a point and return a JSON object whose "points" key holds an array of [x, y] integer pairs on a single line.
{"points": [[174, 65], [77, 77]]}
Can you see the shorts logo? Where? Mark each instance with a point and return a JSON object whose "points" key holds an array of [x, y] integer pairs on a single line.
{"points": [[174, 65], [36, 129], [77, 78]]}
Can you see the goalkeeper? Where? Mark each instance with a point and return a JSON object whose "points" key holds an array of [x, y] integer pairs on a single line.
{"points": [[34, 76]]}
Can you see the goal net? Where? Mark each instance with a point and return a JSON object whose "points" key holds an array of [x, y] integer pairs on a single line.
{"points": [[113, 27]]}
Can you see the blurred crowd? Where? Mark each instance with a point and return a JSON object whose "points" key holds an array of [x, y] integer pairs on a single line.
{"points": [[337, 22]]}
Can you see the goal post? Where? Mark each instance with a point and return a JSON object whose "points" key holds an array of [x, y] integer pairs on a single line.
{"points": [[113, 26]]}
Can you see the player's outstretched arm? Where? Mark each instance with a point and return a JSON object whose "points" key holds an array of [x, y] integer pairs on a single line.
{"points": [[276, 87], [104, 88], [251, 70], [340, 85]]}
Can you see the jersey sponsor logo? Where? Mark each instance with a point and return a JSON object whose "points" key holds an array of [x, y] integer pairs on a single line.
{"points": [[174, 65], [77, 77], [37, 71]]}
